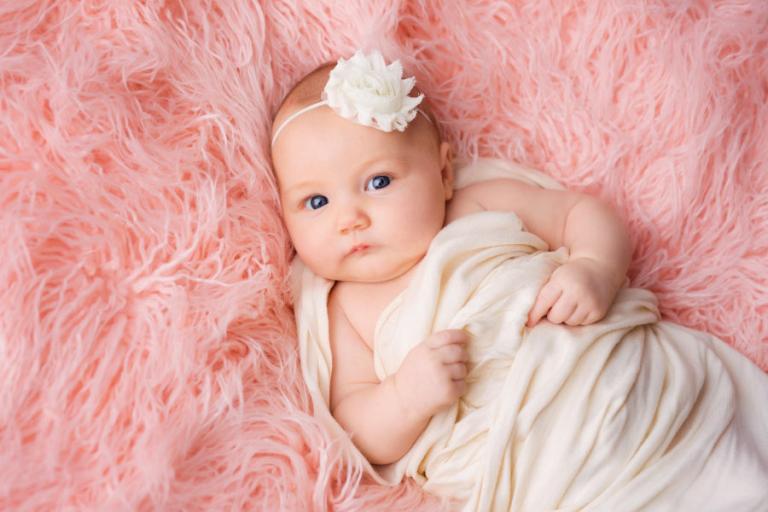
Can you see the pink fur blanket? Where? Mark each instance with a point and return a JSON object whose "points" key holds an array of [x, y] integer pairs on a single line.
{"points": [[147, 348]]}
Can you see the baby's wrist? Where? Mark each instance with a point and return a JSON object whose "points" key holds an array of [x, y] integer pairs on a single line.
{"points": [[615, 274], [410, 408]]}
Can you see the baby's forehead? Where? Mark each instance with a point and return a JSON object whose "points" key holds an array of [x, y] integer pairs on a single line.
{"points": [[322, 136]]}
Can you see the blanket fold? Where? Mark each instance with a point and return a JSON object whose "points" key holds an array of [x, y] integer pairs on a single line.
{"points": [[630, 413]]}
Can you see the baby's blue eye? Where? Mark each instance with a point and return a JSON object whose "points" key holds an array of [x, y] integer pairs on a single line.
{"points": [[315, 202], [377, 182]]}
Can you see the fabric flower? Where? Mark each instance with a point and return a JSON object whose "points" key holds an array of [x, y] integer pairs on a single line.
{"points": [[368, 91]]}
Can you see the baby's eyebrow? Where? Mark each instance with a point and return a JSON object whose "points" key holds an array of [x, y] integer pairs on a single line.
{"points": [[302, 185], [380, 160]]}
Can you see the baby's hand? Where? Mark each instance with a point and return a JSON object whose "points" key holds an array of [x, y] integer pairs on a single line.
{"points": [[432, 374], [578, 293]]}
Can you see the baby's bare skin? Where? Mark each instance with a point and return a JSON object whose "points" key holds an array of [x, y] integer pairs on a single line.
{"points": [[362, 206]]}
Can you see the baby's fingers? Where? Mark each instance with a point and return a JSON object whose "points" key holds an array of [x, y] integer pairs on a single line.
{"points": [[579, 316], [544, 301], [453, 353], [561, 311], [593, 316], [457, 371], [447, 337]]}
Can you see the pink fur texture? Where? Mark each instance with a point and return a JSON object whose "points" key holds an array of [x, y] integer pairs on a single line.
{"points": [[147, 350]]}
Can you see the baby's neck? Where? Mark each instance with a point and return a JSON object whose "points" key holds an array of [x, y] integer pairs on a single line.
{"points": [[363, 303], [397, 283]]}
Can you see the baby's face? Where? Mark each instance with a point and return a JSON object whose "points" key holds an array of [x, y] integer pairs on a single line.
{"points": [[361, 204]]}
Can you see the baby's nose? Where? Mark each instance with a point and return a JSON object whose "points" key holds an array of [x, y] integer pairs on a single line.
{"points": [[353, 218]]}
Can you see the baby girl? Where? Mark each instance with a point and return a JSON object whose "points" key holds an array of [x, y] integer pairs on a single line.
{"points": [[366, 185]]}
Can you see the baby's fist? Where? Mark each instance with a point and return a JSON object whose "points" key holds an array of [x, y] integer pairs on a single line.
{"points": [[432, 374], [579, 292]]}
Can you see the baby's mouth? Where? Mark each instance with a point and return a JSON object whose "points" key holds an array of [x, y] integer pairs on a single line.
{"points": [[358, 249]]}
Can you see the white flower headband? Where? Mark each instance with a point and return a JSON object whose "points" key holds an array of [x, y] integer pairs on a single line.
{"points": [[366, 90]]}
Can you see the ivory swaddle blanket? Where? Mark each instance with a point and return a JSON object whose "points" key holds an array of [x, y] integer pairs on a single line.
{"points": [[630, 413]]}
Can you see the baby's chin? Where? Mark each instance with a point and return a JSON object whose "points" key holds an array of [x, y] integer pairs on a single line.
{"points": [[363, 275]]}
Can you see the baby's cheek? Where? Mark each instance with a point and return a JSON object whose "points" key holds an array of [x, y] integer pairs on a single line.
{"points": [[422, 222], [429, 214], [309, 247]]}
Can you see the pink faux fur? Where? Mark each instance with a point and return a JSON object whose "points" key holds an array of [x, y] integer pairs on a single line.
{"points": [[147, 350]]}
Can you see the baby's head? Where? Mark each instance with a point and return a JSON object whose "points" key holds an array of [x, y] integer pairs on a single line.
{"points": [[360, 204]]}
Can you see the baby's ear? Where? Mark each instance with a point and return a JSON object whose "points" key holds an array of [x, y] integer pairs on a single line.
{"points": [[446, 169]]}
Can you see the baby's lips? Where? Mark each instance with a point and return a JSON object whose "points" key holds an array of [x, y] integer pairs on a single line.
{"points": [[357, 248]]}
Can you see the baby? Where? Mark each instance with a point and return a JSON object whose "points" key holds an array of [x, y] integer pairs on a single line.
{"points": [[420, 295], [362, 205]]}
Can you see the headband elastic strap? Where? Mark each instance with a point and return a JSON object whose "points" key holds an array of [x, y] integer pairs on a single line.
{"points": [[312, 107], [294, 116]]}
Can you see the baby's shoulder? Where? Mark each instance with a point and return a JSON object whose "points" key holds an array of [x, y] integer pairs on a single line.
{"points": [[499, 194], [345, 317], [487, 191], [339, 324], [463, 202], [357, 306], [543, 211], [338, 296]]}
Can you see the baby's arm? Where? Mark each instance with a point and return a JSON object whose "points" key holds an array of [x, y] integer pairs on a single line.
{"points": [[582, 290], [386, 417]]}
